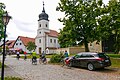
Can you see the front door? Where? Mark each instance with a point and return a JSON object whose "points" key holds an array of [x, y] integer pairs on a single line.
{"points": [[39, 50]]}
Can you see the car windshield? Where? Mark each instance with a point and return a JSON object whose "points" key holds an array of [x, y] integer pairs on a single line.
{"points": [[102, 55]]}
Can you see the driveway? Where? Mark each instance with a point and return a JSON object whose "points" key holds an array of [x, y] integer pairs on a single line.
{"points": [[28, 71]]}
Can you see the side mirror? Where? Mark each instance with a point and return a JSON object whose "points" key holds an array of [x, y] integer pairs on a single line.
{"points": [[73, 57]]}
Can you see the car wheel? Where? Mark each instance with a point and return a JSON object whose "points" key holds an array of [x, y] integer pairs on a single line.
{"points": [[70, 64], [90, 67]]}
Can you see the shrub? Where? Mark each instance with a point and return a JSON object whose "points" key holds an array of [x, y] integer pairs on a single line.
{"points": [[56, 58]]}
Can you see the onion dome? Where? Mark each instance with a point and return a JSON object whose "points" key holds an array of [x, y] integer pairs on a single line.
{"points": [[43, 15]]}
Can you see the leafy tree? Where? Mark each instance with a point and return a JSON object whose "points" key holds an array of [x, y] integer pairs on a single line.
{"points": [[80, 21], [1, 23], [31, 46], [109, 22]]}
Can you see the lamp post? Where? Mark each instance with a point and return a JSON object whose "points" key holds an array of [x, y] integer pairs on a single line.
{"points": [[5, 19]]}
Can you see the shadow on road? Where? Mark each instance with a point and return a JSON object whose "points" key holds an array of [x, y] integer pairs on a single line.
{"points": [[109, 70]]}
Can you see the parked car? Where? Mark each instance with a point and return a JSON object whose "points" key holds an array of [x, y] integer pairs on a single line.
{"points": [[89, 60]]}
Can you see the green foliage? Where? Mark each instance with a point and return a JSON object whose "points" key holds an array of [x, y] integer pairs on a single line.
{"points": [[109, 22], [1, 23], [80, 22], [31, 46], [56, 58]]}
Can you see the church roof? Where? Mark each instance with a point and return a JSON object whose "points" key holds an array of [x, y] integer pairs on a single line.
{"points": [[43, 15], [52, 33]]}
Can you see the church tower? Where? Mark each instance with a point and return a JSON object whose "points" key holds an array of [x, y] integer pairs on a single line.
{"points": [[43, 28]]}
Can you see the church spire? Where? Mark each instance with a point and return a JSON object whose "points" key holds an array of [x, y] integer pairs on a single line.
{"points": [[43, 7], [43, 15]]}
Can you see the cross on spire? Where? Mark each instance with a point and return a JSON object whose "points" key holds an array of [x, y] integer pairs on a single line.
{"points": [[43, 7]]}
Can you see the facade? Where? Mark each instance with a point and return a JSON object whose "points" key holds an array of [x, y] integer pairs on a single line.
{"points": [[46, 39], [21, 42]]}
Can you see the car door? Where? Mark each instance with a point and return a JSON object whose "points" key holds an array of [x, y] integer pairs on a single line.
{"points": [[76, 60], [84, 59]]}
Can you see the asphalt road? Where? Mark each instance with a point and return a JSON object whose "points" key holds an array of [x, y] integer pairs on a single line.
{"points": [[27, 71]]}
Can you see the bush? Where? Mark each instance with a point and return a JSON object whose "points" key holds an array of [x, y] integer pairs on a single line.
{"points": [[56, 58]]}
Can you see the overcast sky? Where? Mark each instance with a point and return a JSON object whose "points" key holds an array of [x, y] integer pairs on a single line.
{"points": [[25, 13]]}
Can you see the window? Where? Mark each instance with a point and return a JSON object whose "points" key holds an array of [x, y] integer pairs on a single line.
{"points": [[50, 40], [40, 25], [46, 25], [16, 43], [39, 40], [40, 32], [20, 43], [54, 40]]}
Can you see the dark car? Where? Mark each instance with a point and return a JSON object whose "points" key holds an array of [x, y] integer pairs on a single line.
{"points": [[89, 60]]}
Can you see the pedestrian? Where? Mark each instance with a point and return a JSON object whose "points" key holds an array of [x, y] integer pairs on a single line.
{"points": [[25, 55], [34, 57], [18, 54], [43, 54], [66, 54], [65, 57]]}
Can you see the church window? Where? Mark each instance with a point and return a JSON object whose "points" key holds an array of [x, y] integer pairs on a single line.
{"points": [[39, 40], [50, 40], [40, 32], [40, 25], [54, 40], [46, 25]]}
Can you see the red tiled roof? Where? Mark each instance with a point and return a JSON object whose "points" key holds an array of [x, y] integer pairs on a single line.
{"points": [[10, 43], [52, 33], [25, 40]]}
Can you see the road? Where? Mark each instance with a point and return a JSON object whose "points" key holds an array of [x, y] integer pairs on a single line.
{"points": [[27, 71]]}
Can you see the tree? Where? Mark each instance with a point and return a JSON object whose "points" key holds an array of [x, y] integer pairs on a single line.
{"points": [[80, 21], [109, 22], [2, 6], [31, 46]]}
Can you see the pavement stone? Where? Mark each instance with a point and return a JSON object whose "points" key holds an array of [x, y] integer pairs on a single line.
{"points": [[27, 71]]}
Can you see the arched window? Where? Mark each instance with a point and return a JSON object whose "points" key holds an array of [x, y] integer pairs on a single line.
{"points": [[46, 25], [39, 40], [40, 25]]}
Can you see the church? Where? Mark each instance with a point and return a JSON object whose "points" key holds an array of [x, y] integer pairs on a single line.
{"points": [[46, 39]]}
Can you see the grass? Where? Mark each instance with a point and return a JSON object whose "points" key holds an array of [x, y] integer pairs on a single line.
{"points": [[115, 62], [29, 56], [114, 55], [11, 78], [115, 59]]}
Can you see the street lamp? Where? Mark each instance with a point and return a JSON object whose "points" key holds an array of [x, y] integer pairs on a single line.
{"points": [[5, 19]]}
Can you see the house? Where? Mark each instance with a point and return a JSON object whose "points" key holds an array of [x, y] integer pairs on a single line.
{"points": [[46, 39], [21, 43], [10, 44]]}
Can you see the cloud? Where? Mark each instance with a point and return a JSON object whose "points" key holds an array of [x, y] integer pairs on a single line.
{"points": [[24, 26]]}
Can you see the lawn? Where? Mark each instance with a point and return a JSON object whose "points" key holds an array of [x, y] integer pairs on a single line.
{"points": [[115, 62], [11, 78]]}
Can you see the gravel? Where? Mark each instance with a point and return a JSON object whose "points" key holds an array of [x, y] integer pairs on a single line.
{"points": [[27, 71]]}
